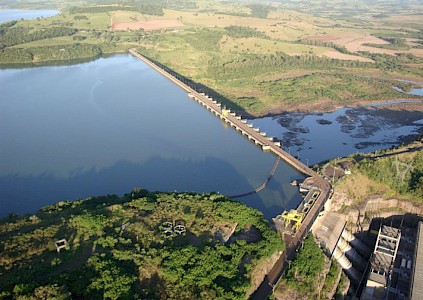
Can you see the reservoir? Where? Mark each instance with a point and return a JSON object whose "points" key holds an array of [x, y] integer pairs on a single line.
{"points": [[18, 14], [111, 125]]}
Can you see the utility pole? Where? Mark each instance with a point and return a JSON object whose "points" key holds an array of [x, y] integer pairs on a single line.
{"points": [[333, 177]]}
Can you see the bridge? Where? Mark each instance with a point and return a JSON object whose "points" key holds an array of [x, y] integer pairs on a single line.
{"points": [[266, 143]]}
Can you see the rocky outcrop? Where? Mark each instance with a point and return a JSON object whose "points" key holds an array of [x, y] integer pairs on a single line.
{"points": [[261, 270], [374, 205]]}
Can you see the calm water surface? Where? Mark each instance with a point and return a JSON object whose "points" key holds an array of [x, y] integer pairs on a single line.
{"points": [[111, 125], [17, 14]]}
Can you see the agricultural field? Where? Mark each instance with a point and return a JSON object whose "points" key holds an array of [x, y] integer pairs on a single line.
{"points": [[244, 52]]}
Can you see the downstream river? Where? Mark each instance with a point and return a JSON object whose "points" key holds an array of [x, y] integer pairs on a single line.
{"points": [[318, 137], [110, 125]]}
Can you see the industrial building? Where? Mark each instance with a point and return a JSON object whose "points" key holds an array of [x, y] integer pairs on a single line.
{"points": [[395, 267], [417, 274]]}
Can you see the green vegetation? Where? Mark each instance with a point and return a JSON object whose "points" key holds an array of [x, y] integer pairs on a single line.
{"points": [[151, 8], [243, 32], [259, 10], [21, 35], [331, 280], [392, 173], [310, 275], [394, 44], [404, 174], [303, 273], [306, 276], [122, 247]]}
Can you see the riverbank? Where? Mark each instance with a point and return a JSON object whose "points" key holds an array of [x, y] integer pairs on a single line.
{"points": [[324, 106]]}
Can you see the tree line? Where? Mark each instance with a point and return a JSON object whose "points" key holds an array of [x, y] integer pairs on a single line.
{"points": [[12, 36], [149, 7], [339, 48], [253, 64], [244, 32], [49, 53], [155, 9]]}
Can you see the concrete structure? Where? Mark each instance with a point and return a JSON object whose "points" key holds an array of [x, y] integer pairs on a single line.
{"points": [[290, 221], [417, 274], [381, 264], [61, 244], [356, 243], [328, 232]]}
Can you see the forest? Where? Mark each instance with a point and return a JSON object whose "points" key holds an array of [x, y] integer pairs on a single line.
{"points": [[141, 245]]}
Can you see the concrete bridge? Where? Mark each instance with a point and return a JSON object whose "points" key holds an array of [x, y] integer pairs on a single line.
{"points": [[241, 125], [267, 144]]}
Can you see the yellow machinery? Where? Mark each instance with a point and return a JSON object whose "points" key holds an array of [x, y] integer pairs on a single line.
{"points": [[225, 112], [293, 215]]}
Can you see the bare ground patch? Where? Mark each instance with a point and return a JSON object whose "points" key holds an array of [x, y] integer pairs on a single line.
{"points": [[351, 40], [405, 19], [147, 25], [327, 105], [338, 55], [354, 42]]}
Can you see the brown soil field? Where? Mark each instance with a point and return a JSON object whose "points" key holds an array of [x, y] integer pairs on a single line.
{"points": [[147, 25], [351, 40], [416, 52], [354, 42], [405, 19]]}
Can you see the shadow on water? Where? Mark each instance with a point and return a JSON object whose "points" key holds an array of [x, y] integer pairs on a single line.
{"points": [[28, 193], [201, 88]]}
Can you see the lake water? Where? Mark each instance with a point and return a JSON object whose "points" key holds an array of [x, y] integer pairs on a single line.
{"points": [[319, 137], [18, 14], [110, 125]]}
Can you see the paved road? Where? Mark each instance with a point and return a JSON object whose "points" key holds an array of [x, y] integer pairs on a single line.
{"points": [[293, 242]]}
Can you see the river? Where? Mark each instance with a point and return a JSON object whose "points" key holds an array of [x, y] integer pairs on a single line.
{"points": [[113, 124], [322, 136]]}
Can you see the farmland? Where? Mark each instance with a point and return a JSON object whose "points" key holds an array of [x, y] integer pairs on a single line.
{"points": [[246, 52]]}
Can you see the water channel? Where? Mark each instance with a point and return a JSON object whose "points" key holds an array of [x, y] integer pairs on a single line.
{"points": [[110, 125]]}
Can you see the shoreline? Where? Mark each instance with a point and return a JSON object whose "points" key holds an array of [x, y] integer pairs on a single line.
{"points": [[407, 104], [321, 106]]}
